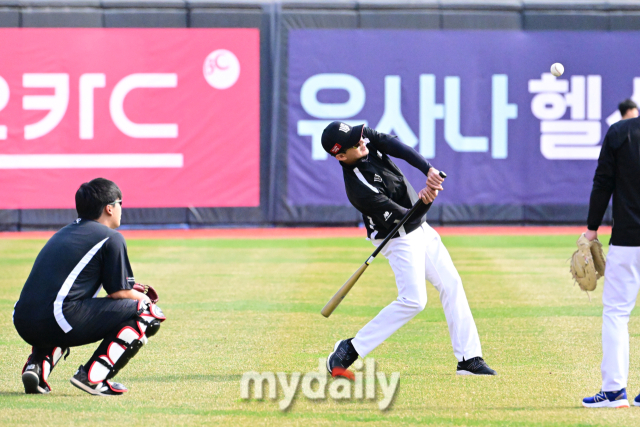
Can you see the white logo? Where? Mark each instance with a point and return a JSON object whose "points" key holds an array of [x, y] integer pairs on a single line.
{"points": [[344, 128], [376, 178], [221, 69], [314, 385], [387, 215]]}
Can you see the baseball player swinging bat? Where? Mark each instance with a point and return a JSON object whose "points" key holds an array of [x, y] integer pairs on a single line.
{"points": [[344, 290]]}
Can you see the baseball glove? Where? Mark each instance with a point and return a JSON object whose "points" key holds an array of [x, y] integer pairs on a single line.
{"points": [[587, 263], [148, 291]]}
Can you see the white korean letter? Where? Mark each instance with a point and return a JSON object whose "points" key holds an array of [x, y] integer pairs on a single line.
{"points": [[548, 104], [616, 116], [56, 103], [136, 81], [4, 100], [429, 112], [576, 98], [330, 111], [321, 110], [594, 96], [88, 82], [452, 120], [570, 139], [501, 112], [392, 119]]}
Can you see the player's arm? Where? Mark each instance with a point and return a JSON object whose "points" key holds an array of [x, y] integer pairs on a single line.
{"points": [[129, 294], [391, 145], [603, 184], [383, 209], [117, 275]]}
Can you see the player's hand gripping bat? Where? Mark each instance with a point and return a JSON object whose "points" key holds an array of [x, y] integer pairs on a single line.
{"points": [[344, 290]]}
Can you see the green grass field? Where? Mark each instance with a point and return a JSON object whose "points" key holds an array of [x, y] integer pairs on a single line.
{"points": [[234, 306]]}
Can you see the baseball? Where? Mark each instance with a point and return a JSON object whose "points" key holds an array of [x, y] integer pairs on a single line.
{"points": [[557, 69]]}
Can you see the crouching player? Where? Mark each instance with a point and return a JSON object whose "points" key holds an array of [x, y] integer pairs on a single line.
{"points": [[58, 307]]}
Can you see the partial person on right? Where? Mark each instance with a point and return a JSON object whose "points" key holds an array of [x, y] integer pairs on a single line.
{"points": [[618, 175], [628, 109]]}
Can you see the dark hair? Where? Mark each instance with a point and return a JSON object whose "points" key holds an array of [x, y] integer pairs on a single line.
{"points": [[626, 105], [93, 196]]}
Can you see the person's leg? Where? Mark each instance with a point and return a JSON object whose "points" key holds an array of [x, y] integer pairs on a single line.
{"points": [[39, 365], [41, 334], [93, 319], [441, 272], [621, 285], [406, 256], [119, 345]]}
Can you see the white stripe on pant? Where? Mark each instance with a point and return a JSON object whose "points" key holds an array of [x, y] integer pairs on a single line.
{"points": [[621, 285], [414, 258]]}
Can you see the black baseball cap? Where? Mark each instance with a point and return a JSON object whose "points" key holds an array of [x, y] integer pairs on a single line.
{"points": [[338, 137]]}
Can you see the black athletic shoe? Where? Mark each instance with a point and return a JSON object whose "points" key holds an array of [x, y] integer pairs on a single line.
{"points": [[343, 356], [105, 388], [475, 366], [33, 380]]}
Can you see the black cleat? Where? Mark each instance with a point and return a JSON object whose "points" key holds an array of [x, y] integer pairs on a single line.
{"points": [[33, 380], [37, 370], [105, 388], [474, 366], [343, 356]]}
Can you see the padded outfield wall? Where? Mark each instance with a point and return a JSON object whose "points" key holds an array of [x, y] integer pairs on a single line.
{"points": [[455, 79]]}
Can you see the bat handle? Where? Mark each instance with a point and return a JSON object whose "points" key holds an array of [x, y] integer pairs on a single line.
{"points": [[404, 219]]}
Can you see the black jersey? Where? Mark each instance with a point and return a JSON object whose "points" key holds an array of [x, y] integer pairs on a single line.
{"points": [[378, 189], [618, 173], [74, 264]]}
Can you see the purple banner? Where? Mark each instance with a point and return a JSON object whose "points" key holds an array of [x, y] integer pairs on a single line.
{"points": [[480, 105]]}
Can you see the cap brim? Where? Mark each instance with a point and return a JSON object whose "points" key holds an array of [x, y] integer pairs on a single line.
{"points": [[355, 135]]}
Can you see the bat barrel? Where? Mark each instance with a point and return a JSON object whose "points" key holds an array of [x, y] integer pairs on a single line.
{"points": [[343, 291]]}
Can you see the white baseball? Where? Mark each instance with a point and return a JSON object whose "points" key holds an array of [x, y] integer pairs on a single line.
{"points": [[557, 69]]}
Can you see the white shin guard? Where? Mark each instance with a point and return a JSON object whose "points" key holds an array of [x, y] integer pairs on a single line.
{"points": [[51, 361], [127, 343]]}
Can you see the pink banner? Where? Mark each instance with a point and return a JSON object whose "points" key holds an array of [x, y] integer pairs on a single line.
{"points": [[171, 115]]}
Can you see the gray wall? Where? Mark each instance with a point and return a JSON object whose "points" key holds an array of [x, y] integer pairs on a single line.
{"points": [[274, 19]]}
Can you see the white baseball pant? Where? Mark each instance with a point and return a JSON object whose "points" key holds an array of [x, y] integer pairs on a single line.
{"points": [[621, 285], [414, 258]]}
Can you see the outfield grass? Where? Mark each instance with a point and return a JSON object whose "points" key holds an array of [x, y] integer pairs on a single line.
{"points": [[240, 305]]}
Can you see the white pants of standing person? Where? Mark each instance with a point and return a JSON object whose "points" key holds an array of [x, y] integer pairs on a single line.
{"points": [[621, 285], [414, 258]]}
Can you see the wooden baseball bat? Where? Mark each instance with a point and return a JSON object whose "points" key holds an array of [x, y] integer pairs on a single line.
{"points": [[344, 290]]}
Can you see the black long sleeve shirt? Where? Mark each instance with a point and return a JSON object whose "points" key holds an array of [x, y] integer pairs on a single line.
{"points": [[618, 173], [378, 189]]}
